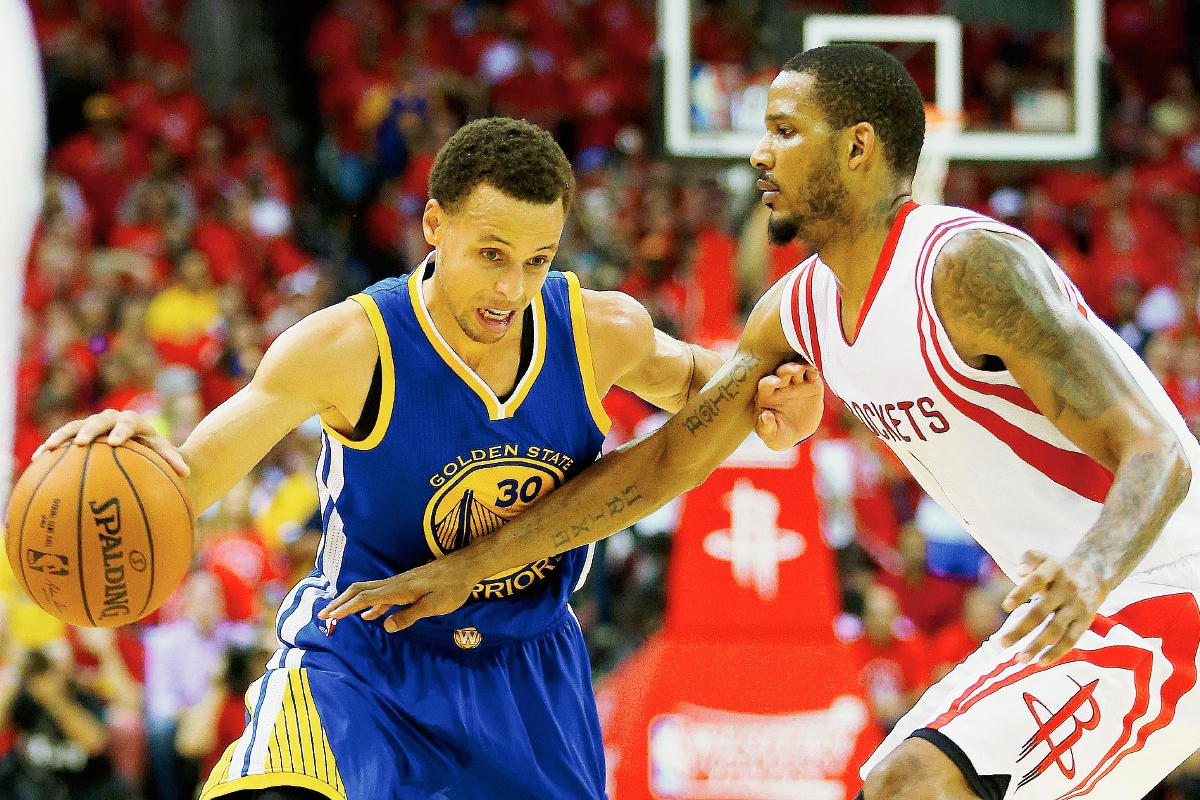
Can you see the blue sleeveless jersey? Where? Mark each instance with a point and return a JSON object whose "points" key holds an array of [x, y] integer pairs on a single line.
{"points": [[448, 462]]}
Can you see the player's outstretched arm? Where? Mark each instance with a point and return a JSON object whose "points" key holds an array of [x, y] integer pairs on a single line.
{"points": [[608, 496], [321, 365], [628, 351], [997, 297]]}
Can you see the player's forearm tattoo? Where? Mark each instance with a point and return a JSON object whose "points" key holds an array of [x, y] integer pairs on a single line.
{"points": [[730, 386], [581, 525], [983, 282], [1147, 489]]}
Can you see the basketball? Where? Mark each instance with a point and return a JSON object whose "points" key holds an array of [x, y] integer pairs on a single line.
{"points": [[99, 536]]}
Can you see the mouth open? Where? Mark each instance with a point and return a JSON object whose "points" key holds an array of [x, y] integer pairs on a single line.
{"points": [[770, 193], [495, 320]]}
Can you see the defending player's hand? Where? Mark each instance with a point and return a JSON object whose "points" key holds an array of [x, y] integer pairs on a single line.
{"points": [[789, 405], [121, 426], [436, 588], [1068, 593]]}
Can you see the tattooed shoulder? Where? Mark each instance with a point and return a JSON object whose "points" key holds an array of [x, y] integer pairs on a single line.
{"points": [[997, 297], [993, 288]]}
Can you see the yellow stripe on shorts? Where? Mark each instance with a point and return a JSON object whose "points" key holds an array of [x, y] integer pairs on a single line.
{"points": [[297, 752]]}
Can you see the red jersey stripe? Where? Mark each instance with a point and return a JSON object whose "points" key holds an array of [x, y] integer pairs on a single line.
{"points": [[881, 269], [797, 328], [813, 344]]}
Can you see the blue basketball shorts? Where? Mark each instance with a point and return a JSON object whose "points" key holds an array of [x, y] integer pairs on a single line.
{"points": [[419, 717]]}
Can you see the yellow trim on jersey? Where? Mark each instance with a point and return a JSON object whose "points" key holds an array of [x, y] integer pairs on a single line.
{"points": [[298, 752], [583, 353], [496, 410], [388, 370]]}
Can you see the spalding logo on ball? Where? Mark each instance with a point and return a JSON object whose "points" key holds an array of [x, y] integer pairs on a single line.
{"points": [[100, 536]]}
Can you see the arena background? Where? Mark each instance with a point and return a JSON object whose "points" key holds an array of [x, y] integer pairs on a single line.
{"points": [[217, 169]]}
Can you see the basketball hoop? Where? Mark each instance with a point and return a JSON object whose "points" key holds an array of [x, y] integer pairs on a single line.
{"points": [[941, 130]]}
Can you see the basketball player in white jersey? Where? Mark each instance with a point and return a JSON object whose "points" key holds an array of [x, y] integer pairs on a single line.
{"points": [[958, 342], [22, 152]]}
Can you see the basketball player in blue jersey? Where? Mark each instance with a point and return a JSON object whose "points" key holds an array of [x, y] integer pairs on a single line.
{"points": [[451, 399]]}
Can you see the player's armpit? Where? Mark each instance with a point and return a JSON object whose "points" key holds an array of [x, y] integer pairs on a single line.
{"points": [[321, 365], [997, 297], [628, 351]]}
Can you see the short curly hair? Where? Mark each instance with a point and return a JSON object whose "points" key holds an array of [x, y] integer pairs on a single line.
{"points": [[515, 156], [863, 83]]}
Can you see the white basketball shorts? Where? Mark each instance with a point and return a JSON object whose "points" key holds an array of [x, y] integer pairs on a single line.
{"points": [[1107, 721]]}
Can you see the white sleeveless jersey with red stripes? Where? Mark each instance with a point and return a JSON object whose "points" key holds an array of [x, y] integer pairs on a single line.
{"points": [[972, 438]]}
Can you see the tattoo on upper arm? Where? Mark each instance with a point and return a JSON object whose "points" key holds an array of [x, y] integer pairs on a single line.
{"points": [[984, 284], [727, 390]]}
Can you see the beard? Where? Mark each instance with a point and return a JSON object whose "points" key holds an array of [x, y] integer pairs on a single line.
{"points": [[824, 200], [781, 230]]}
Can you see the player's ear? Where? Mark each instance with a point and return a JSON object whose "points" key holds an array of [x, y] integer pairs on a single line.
{"points": [[863, 144], [433, 222]]}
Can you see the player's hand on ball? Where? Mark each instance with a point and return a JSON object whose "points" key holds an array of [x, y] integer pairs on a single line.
{"points": [[436, 588], [788, 405], [120, 426], [1068, 593]]}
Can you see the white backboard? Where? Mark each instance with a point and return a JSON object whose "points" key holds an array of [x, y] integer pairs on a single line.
{"points": [[1081, 141]]}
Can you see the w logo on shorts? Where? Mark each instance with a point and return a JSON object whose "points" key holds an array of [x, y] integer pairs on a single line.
{"points": [[1052, 723], [467, 638]]}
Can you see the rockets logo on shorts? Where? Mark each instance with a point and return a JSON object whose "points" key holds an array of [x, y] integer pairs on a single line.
{"points": [[1100, 710], [1052, 725]]}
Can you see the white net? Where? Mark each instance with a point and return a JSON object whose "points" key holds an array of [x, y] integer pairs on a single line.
{"points": [[940, 133]]}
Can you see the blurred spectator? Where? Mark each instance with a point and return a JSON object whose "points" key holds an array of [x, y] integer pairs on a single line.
{"points": [[182, 320], [286, 496], [165, 176], [181, 659], [211, 725], [146, 231], [234, 552], [104, 160], [893, 654], [175, 114], [1126, 294], [930, 600], [1184, 385], [981, 617], [111, 663], [720, 36], [61, 740]]}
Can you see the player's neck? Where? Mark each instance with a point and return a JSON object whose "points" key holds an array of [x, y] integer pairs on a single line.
{"points": [[476, 355], [853, 249]]}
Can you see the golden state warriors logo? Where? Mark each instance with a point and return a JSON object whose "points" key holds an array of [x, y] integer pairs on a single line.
{"points": [[467, 638], [478, 492]]}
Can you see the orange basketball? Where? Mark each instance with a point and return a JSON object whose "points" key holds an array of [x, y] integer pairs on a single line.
{"points": [[99, 536]]}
